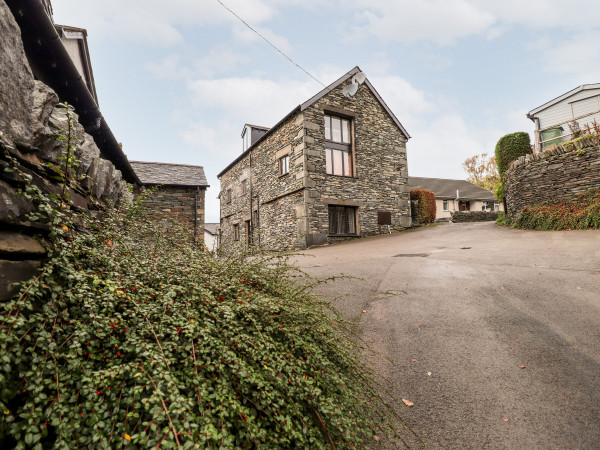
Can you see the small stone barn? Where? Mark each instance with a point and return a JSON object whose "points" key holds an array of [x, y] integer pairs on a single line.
{"points": [[334, 168], [180, 193]]}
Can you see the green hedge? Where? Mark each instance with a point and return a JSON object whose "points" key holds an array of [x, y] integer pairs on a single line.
{"points": [[509, 148], [426, 199]]}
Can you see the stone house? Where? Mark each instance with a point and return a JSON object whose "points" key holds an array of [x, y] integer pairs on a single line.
{"points": [[456, 195], [334, 168], [180, 192], [553, 119]]}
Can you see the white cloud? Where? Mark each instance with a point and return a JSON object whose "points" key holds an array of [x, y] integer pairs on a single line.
{"points": [[443, 22], [409, 21], [155, 22], [578, 56]]}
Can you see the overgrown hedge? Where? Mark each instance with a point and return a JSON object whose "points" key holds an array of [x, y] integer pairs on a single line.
{"points": [[511, 147], [578, 213], [427, 207]]}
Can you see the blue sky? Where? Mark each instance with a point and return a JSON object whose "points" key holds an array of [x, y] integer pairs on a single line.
{"points": [[178, 79]]}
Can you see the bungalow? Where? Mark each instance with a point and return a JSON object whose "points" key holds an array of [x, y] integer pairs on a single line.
{"points": [[456, 195], [334, 168], [554, 119]]}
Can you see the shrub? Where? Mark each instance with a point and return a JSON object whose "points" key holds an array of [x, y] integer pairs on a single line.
{"points": [[427, 208], [130, 336], [579, 212], [502, 219], [511, 147]]}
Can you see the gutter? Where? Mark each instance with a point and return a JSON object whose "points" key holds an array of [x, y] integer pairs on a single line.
{"points": [[52, 65]]}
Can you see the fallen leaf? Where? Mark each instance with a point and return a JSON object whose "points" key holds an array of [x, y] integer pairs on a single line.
{"points": [[522, 367], [376, 437], [364, 310], [459, 306], [506, 420], [465, 248], [573, 348], [407, 402], [511, 347], [126, 436], [578, 288], [413, 360], [428, 374]]}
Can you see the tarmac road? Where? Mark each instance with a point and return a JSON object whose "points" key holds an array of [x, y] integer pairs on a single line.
{"points": [[494, 332]]}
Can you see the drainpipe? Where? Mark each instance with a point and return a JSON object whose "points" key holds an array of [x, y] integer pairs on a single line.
{"points": [[196, 214], [251, 227]]}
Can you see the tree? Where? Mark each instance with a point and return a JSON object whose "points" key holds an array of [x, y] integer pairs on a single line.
{"points": [[482, 171]]}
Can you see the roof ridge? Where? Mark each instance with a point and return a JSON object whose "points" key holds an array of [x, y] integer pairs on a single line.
{"points": [[166, 164]]}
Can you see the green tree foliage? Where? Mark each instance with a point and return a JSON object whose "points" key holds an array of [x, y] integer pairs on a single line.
{"points": [[509, 148], [427, 208]]}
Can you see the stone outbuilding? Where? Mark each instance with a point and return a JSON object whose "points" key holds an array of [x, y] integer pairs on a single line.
{"points": [[180, 192], [334, 168]]}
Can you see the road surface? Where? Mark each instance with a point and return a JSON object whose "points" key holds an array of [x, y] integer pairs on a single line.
{"points": [[494, 332]]}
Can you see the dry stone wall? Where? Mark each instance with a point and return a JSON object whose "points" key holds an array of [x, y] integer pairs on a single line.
{"points": [[473, 216], [557, 173], [29, 121]]}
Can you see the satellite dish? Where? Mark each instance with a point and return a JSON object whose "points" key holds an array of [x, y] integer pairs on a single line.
{"points": [[350, 90], [359, 78]]}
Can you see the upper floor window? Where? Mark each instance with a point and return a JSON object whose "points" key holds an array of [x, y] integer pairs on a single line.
{"points": [[228, 196], [284, 165], [244, 187], [338, 146]]}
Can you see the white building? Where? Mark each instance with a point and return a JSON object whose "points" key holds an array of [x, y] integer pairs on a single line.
{"points": [[552, 119]]}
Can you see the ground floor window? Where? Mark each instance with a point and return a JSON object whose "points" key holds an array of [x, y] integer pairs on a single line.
{"points": [[342, 219], [486, 206], [236, 232], [445, 204], [496, 206]]}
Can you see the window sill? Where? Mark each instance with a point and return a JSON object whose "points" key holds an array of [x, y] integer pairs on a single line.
{"points": [[343, 235], [342, 176], [284, 175]]}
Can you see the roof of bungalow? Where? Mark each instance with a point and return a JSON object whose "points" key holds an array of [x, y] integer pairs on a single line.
{"points": [[447, 189], [313, 100], [166, 174]]}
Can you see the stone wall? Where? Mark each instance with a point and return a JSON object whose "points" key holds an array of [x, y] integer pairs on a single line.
{"points": [[473, 216], [293, 208], [561, 172], [177, 203], [29, 120]]}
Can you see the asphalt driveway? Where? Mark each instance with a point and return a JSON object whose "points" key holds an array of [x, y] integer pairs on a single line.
{"points": [[494, 333]]}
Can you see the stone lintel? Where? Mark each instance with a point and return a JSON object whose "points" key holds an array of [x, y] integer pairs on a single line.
{"points": [[284, 151]]}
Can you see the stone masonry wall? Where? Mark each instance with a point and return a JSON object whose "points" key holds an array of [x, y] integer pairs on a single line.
{"points": [[29, 121], [561, 172], [177, 203], [293, 208], [270, 190], [380, 181]]}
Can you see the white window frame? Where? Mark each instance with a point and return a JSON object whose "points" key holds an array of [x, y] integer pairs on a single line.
{"points": [[445, 205], [284, 165]]}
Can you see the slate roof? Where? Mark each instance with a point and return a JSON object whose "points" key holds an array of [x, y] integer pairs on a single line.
{"points": [[313, 100], [446, 189], [154, 173], [212, 228]]}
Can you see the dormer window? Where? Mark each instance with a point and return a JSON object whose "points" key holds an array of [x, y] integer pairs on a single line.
{"points": [[251, 134]]}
